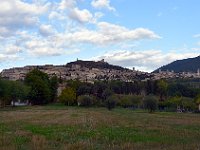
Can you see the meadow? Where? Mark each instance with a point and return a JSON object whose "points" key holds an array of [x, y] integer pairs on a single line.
{"points": [[75, 128]]}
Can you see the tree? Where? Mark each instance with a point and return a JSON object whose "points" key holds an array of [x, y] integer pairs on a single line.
{"points": [[12, 91], [111, 102], [40, 92], [187, 104], [162, 89], [150, 103], [54, 86], [5, 88], [125, 101], [98, 89], [198, 103], [19, 91], [106, 93], [84, 89], [68, 96], [174, 102]]}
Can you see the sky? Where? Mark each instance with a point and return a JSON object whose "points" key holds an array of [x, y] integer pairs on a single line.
{"points": [[142, 34]]}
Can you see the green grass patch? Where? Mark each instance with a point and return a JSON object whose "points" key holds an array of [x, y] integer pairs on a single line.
{"points": [[97, 128]]}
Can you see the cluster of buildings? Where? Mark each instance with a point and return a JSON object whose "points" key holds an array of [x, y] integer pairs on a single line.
{"points": [[90, 74], [72, 72], [171, 74]]}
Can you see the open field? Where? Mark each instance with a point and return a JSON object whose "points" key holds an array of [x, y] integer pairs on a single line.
{"points": [[59, 127]]}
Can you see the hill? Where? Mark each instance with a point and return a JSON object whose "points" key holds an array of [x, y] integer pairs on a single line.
{"points": [[95, 64], [185, 65], [81, 70]]}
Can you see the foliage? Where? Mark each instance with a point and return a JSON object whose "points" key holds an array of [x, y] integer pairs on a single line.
{"points": [[40, 92], [5, 88], [187, 103], [111, 101], [19, 91], [12, 91], [84, 89], [99, 88], [53, 87], [86, 100], [197, 101], [162, 89], [68, 96], [150, 103], [106, 93], [125, 101], [177, 89]]}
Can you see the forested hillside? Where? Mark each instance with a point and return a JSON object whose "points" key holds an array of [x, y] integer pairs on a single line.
{"points": [[185, 65]]}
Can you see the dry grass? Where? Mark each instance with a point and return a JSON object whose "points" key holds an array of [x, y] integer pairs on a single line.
{"points": [[38, 142], [40, 128]]}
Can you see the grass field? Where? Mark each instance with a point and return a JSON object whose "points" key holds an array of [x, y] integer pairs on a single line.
{"points": [[59, 127]]}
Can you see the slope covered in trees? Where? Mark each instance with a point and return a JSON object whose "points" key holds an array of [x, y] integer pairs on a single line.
{"points": [[185, 65]]}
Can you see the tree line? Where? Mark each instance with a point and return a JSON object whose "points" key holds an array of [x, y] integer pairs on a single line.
{"points": [[40, 89]]}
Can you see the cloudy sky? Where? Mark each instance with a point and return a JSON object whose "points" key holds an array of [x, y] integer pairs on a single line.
{"points": [[132, 33]]}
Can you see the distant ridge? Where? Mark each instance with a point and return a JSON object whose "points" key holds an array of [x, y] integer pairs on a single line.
{"points": [[185, 65], [96, 64], [86, 71]]}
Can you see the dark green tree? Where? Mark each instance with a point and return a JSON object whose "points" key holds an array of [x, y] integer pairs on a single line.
{"points": [[19, 91], [150, 103], [5, 97], [40, 92], [162, 89], [106, 93], [54, 86], [111, 102]]}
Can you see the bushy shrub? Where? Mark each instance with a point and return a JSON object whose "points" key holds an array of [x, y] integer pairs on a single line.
{"points": [[136, 100], [106, 93], [150, 103], [187, 104], [181, 103], [111, 102], [130, 101], [86, 100], [125, 101], [68, 96]]}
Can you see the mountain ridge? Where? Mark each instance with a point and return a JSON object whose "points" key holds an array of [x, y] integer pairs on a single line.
{"points": [[184, 65], [81, 70]]}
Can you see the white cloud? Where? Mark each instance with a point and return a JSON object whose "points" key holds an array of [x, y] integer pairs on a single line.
{"points": [[107, 33], [119, 33], [44, 47], [16, 14], [99, 4], [5, 32], [46, 30], [12, 49], [8, 58], [56, 15], [148, 60], [67, 4], [98, 15], [82, 16]]}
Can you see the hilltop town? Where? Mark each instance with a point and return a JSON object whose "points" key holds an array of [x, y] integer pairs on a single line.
{"points": [[89, 71]]}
